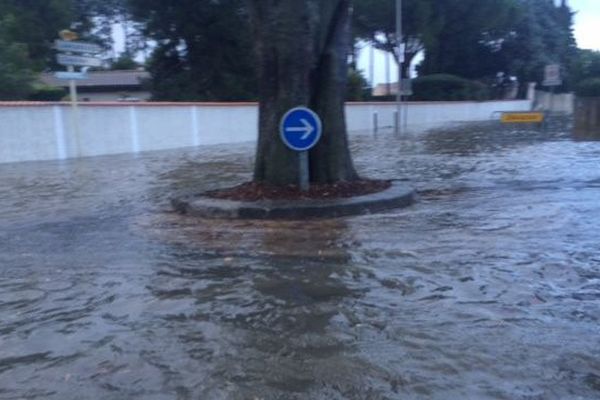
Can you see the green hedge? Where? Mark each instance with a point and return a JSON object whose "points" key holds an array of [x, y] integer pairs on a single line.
{"points": [[445, 87], [588, 88], [358, 87], [47, 93]]}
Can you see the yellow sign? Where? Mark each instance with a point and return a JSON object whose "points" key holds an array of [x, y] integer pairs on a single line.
{"points": [[68, 35], [528, 118]]}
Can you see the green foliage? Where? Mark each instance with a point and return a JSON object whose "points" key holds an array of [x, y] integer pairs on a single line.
{"points": [[543, 34], [124, 62], [358, 87], [375, 22], [586, 65], [465, 34], [34, 24], [16, 76], [445, 87], [47, 93], [94, 21], [28, 29], [204, 49], [476, 38], [588, 88]]}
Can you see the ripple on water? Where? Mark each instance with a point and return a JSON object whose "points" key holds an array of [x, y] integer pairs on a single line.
{"points": [[486, 289]]}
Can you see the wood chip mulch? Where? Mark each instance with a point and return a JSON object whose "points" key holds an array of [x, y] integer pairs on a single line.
{"points": [[254, 191]]}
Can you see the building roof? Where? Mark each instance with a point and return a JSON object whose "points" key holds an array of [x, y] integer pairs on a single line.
{"points": [[116, 79]]}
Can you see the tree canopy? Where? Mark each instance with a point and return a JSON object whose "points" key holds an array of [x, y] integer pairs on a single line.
{"points": [[27, 28], [375, 22], [475, 39], [203, 49]]}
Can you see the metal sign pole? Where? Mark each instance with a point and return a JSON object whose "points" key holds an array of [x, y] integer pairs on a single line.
{"points": [[400, 63], [70, 59], [74, 109], [72, 88], [551, 100], [300, 130], [304, 171]]}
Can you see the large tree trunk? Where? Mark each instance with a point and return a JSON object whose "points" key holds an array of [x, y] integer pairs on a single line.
{"points": [[302, 48]]}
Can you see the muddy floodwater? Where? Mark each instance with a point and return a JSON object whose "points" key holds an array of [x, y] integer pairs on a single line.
{"points": [[488, 288]]}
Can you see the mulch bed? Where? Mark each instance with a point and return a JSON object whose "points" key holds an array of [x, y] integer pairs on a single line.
{"points": [[252, 191]]}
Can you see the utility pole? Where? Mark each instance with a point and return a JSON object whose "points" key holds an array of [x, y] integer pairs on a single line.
{"points": [[400, 54]]}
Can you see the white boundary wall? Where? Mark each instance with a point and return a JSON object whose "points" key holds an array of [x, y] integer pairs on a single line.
{"points": [[563, 103], [45, 131]]}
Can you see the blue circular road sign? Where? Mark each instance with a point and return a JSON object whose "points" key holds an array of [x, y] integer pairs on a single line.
{"points": [[300, 129]]}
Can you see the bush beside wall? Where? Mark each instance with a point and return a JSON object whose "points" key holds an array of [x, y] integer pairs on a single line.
{"points": [[47, 93], [445, 87], [588, 88]]}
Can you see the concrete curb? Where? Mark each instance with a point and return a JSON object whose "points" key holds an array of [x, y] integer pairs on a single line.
{"points": [[397, 196]]}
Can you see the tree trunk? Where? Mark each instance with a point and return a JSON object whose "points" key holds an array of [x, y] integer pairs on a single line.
{"points": [[302, 48]]}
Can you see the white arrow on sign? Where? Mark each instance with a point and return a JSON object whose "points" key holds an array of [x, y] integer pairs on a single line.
{"points": [[69, 60], [308, 129]]}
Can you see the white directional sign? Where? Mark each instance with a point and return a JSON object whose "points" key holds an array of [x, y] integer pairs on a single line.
{"points": [[77, 47], [69, 60], [552, 75], [71, 76]]}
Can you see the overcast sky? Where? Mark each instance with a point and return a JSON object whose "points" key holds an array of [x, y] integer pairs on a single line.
{"points": [[587, 22]]}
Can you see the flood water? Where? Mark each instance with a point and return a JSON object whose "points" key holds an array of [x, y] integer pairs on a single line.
{"points": [[488, 288]]}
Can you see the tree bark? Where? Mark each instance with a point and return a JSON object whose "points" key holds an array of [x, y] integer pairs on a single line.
{"points": [[302, 53]]}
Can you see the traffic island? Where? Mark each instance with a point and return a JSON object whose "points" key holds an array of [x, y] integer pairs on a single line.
{"points": [[372, 197]]}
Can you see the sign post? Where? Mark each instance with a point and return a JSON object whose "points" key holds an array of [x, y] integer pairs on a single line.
{"points": [[75, 54], [400, 64], [301, 130], [552, 79]]}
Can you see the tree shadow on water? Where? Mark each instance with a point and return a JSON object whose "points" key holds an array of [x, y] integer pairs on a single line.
{"points": [[262, 307]]}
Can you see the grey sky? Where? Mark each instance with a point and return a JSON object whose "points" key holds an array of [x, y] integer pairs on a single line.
{"points": [[587, 20]]}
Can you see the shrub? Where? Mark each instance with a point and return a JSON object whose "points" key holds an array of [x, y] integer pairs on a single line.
{"points": [[445, 87], [47, 93], [358, 87], [588, 88]]}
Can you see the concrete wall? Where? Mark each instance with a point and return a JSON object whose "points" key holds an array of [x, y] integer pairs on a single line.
{"points": [[49, 131], [563, 103], [587, 117]]}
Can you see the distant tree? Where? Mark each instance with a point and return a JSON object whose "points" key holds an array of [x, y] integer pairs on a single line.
{"points": [[586, 65], [375, 22], [466, 34], [124, 62], [542, 35], [27, 31], [35, 25], [302, 56], [358, 88], [203, 49], [16, 76], [95, 20]]}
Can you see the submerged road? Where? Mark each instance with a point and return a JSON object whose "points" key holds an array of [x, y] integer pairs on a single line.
{"points": [[488, 288]]}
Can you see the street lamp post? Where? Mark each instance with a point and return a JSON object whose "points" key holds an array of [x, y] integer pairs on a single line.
{"points": [[400, 50]]}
